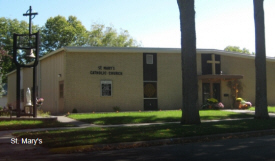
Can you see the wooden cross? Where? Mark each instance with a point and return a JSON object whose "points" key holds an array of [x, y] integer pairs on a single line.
{"points": [[30, 14], [213, 62]]}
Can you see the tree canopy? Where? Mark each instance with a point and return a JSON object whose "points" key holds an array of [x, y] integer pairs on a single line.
{"points": [[59, 32], [100, 35], [238, 49], [7, 29]]}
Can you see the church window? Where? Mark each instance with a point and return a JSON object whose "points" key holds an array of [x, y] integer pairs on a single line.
{"points": [[106, 88], [211, 64], [149, 59]]}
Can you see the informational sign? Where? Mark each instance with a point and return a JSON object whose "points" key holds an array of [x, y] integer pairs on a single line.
{"points": [[105, 70]]}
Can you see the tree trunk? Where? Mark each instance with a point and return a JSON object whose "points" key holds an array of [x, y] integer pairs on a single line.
{"points": [[260, 62], [190, 109]]}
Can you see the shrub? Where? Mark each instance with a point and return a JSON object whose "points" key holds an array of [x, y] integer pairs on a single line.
{"points": [[74, 110], [239, 99], [116, 109], [212, 100], [43, 114]]}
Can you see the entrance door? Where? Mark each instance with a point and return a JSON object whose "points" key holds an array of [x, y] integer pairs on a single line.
{"points": [[61, 96], [211, 90]]}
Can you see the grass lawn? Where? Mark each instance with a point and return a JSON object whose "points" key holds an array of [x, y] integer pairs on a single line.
{"points": [[29, 124], [152, 116], [98, 135], [270, 109]]}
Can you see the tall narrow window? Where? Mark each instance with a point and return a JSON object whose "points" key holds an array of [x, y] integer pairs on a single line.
{"points": [[106, 88], [61, 89], [149, 59]]}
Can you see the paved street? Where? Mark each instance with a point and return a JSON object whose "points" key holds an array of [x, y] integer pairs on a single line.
{"points": [[255, 148]]}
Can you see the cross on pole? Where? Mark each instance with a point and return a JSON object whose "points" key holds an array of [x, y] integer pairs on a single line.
{"points": [[213, 62], [31, 16]]}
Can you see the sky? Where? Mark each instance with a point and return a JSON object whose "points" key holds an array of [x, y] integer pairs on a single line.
{"points": [[155, 23]]}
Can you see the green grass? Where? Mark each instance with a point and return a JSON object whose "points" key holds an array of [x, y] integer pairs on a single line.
{"points": [[97, 135], [150, 117], [270, 109], [29, 124]]}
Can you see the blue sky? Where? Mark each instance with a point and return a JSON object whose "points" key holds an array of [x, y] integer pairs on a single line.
{"points": [[155, 23]]}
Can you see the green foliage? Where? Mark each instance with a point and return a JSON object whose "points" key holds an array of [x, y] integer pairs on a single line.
{"points": [[239, 99], [237, 49], [59, 32], [43, 114], [74, 110], [7, 29], [212, 100], [108, 36]]}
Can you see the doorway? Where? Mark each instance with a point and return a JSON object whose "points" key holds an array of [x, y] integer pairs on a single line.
{"points": [[211, 90]]}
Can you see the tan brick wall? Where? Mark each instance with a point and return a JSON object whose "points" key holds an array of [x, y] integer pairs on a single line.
{"points": [[82, 90]]}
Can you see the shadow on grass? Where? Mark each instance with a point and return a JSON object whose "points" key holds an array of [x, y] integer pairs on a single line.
{"points": [[98, 135], [128, 120]]}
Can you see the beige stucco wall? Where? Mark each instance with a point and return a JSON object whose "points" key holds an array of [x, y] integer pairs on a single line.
{"points": [[270, 66], [240, 66], [169, 81], [82, 89], [50, 68]]}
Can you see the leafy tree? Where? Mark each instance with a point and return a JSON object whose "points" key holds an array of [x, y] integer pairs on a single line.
{"points": [[7, 29], [260, 62], [190, 109], [108, 36], [59, 32], [237, 49]]}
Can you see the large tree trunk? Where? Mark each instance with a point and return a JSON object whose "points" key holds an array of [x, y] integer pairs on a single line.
{"points": [[190, 109], [260, 62]]}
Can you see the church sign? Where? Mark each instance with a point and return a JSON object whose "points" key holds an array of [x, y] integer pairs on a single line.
{"points": [[105, 70]]}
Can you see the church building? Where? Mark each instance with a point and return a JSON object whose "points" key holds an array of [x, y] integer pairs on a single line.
{"points": [[96, 79]]}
